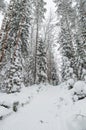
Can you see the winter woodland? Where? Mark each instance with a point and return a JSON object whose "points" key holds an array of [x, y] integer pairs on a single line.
{"points": [[42, 65]]}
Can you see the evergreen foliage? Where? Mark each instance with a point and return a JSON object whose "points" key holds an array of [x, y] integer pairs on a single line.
{"points": [[41, 63], [72, 37], [14, 43]]}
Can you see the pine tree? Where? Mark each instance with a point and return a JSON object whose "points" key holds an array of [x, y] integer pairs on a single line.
{"points": [[49, 31], [80, 37], [14, 44], [39, 16], [66, 70], [65, 12], [79, 40], [41, 63], [72, 37], [29, 71], [53, 74]]}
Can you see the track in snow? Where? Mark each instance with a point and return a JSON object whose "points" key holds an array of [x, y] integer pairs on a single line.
{"points": [[41, 114]]}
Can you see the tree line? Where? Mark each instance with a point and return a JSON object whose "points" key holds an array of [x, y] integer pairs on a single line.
{"points": [[26, 56], [26, 42], [72, 37]]}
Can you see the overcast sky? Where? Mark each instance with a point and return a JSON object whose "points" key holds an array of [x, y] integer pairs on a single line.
{"points": [[50, 6]]}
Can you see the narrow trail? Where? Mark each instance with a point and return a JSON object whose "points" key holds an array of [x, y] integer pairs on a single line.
{"points": [[41, 114]]}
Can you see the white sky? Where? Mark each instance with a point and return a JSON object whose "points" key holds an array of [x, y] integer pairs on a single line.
{"points": [[7, 0], [50, 6]]}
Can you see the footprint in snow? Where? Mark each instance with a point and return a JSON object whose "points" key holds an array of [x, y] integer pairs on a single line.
{"points": [[42, 122]]}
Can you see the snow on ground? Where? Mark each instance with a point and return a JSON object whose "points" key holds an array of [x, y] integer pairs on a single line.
{"points": [[50, 108], [23, 98]]}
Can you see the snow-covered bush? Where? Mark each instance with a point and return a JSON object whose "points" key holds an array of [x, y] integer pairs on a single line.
{"points": [[70, 83], [79, 90]]}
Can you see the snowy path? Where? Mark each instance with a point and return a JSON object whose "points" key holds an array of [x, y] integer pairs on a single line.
{"points": [[50, 109], [40, 114]]}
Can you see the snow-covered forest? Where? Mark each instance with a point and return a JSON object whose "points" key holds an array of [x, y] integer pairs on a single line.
{"points": [[42, 65]]}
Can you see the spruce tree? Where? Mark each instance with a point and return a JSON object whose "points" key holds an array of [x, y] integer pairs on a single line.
{"points": [[65, 12], [14, 44], [66, 70], [53, 74], [39, 16], [80, 37], [41, 76]]}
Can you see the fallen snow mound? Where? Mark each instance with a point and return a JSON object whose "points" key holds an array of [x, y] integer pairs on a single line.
{"points": [[70, 83], [80, 89]]}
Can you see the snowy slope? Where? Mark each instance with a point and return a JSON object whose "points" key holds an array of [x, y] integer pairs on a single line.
{"points": [[51, 108]]}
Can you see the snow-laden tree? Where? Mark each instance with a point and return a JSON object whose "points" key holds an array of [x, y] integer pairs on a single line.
{"points": [[49, 34], [66, 70], [53, 76], [78, 27], [65, 13], [41, 70], [72, 36], [80, 37], [14, 44], [39, 16], [29, 71]]}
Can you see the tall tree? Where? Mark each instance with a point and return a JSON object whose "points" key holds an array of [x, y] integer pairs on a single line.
{"points": [[39, 16], [67, 21], [41, 62], [80, 37], [14, 44], [49, 34], [72, 37]]}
